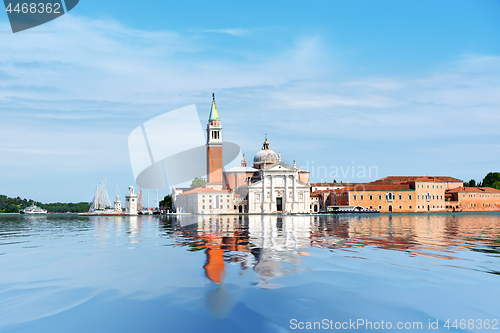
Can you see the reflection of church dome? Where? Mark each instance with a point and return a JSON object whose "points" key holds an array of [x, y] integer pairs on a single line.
{"points": [[266, 155]]}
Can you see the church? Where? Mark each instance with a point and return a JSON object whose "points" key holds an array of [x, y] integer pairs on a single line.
{"points": [[268, 186]]}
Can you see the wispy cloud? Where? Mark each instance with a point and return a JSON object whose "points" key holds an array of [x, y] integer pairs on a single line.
{"points": [[232, 32], [5, 76], [83, 89]]}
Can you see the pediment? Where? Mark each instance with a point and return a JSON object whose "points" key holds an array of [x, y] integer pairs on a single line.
{"points": [[280, 166]]}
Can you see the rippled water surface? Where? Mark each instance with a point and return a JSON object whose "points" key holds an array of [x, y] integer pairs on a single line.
{"points": [[63, 273]]}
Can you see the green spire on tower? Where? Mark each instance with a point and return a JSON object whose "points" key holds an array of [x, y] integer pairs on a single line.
{"points": [[214, 115]]}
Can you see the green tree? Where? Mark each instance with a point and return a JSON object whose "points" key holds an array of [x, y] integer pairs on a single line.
{"points": [[198, 182], [490, 179], [166, 203], [472, 183], [14, 205], [496, 185]]}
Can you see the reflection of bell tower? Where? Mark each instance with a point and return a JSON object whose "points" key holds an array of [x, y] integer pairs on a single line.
{"points": [[214, 148]]}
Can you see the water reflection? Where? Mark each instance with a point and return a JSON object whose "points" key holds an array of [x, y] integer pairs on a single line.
{"points": [[112, 228], [273, 245], [62, 270]]}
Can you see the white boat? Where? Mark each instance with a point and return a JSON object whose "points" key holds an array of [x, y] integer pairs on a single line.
{"points": [[33, 210]]}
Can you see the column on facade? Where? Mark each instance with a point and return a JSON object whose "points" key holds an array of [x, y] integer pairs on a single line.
{"points": [[263, 194], [272, 193], [294, 192], [285, 196]]}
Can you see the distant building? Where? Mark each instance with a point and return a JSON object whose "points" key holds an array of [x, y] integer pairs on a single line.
{"points": [[409, 194], [118, 204], [205, 200], [316, 201], [131, 202], [473, 199]]}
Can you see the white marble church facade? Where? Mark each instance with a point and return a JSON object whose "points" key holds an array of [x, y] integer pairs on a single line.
{"points": [[279, 189]]}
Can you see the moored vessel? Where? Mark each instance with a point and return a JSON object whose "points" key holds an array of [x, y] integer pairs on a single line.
{"points": [[33, 210], [101, 204]]}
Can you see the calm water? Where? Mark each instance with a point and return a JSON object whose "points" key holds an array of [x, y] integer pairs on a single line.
{"points": [[247, 273]]}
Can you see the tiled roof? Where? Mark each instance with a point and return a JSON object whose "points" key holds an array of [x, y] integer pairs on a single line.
{"points": [[327, 184], [419, 179], [204, 190], [381, 186], [374, 187], [474, 190], [326, 191]]}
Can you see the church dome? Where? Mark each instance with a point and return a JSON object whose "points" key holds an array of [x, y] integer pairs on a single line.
{"points": [[265, 156]]}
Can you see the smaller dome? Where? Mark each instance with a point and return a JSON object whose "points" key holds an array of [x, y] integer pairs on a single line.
{"points": [[265, 156]]}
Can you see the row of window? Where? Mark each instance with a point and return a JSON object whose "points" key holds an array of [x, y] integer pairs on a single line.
{"points": [[210, 207], [409, 207], [484, 205], [221, 200], [424, 207], [429, 197], [484, 195], [400, 207], [389, 196], [422, 186], [215, 135]]}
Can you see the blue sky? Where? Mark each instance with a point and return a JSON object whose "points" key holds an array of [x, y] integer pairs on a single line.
{"points": [[412, 88]]}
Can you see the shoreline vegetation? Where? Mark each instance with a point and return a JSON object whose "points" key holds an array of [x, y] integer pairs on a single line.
{"points": [[14, 205]]}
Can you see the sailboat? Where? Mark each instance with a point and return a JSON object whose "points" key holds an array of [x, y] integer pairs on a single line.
{"points": [[101, 204]]}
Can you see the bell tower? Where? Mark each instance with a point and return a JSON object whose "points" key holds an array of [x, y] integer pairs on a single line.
{"points": [[214, 148]]}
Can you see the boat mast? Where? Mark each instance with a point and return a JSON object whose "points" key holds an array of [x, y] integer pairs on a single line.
{"points": [[107, 202], [117, 191], [94, 200], [101, 197]]}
